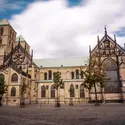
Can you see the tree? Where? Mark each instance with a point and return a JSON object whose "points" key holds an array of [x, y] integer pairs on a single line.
{"points": [[3, 88], [88, 84], [23, 91], [58, 82], [71, 90], [94, 75]]}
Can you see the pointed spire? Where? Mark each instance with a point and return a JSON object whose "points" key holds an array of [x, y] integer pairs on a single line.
{"points": [[105, 31], [19, 41], [32, 57], [98, 39], [89, 48], [114, 38]]}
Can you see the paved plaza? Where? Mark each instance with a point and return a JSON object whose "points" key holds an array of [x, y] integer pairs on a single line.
{"points": [[79, 114]]}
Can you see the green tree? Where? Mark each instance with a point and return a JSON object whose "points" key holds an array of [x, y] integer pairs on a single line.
{"points": [[94, 75], [23, 91], [71, 90], [3, 87], [58, 82]]}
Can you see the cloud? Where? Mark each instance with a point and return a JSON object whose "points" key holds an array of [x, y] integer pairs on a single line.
{"points": [[52, 29]]}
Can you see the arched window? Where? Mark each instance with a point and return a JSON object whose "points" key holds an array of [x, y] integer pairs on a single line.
{"points": [[14, 77], [45, 76], [72, 75], [13, 91], [50, 75], [71, 90], [52, 92], [1, 31], [43, 92], [81, 74], [112, 84], [0, 40], [82, 95], [77, 74]]}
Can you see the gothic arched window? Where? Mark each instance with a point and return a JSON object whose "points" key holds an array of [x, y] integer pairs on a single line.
{"points": [[72, 75], [50, 75], [52, 92], [13, 91], [14, 77], [72, 91], [0, 40], [1, 31], [45, 76], [82, 95], [77, 74], [43, 91], [112, 84]]}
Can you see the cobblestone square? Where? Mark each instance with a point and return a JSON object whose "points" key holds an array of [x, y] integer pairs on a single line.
{"points": [[79, 114]]}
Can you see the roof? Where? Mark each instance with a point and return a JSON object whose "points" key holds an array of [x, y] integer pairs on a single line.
{"points": [[21, 38], [65, 62], [4, 22]]}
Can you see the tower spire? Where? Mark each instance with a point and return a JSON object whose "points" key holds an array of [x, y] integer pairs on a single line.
{"points": [[90, 49], [105, 30], [19, 41], [114, 38], [98, 39]]}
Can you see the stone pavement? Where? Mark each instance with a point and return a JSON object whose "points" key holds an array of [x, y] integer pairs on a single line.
{"points": [[79, 114]]}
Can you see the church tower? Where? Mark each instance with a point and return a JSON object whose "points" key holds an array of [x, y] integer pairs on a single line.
{"points": [[7, 38]]}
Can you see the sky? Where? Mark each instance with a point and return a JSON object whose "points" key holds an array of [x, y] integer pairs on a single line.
{"points": [[64, 28]]}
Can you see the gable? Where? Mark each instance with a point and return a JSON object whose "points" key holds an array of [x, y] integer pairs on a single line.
{"points": [[107, 47], [18, 58]]}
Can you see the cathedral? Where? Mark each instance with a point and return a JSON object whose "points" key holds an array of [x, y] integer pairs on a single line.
{"points": [[17, 66]]}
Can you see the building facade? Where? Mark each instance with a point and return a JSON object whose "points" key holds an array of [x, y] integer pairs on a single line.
{"points": [[17, 66]]}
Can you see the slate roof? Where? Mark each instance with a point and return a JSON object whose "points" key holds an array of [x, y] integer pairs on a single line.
{"points": [[65, 62]]}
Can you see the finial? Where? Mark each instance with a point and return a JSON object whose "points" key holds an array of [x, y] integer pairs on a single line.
{"points": [[105, 30], [19, 41], [31, 57], [89, 49], [32, 53], [114, 38], [97, 38]]}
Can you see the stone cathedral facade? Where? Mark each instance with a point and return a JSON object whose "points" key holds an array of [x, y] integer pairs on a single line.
{"points": [[17, 66]]}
